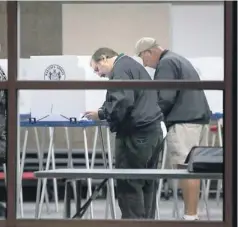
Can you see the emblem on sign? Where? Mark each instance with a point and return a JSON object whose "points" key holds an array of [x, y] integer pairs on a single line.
{"points": [[54, 72]]}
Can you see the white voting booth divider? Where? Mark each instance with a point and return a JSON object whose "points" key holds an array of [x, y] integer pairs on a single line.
{"points": [[211, 68], [148, 69], [56, 108], [70, 103], [94, 98], [65, 68]]}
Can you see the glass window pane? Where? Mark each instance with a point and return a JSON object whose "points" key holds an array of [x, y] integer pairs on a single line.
{"points": [[57, 41], [55, 135], [3, 152]]}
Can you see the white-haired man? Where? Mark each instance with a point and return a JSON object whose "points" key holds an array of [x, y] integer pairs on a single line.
{"points": [[186, 112]]}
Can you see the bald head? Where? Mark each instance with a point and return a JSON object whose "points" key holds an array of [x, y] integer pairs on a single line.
{"points": [[149, 50]]}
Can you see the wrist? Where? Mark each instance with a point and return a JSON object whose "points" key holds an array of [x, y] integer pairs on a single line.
{"points": [[101, 115]]}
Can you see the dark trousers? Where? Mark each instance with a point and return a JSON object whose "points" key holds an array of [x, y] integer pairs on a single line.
{"points": [[137, 198]]}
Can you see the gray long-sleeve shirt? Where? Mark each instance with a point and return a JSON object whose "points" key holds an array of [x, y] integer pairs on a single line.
{"points": [[180, 106]]}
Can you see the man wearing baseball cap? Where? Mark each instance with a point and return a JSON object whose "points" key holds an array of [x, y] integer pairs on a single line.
{"points": [[186, 112]]}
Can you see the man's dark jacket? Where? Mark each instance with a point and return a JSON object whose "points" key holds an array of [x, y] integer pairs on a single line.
{"points": [[180, 106], [128, 110]]}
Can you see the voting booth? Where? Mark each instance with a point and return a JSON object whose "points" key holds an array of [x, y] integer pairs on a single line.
{"points": [[94, 98], [66, 68], [53, 110], [70, 103]]}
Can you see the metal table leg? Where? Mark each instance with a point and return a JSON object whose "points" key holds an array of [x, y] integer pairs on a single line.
{"points": [[110, 190], [67, 210]]}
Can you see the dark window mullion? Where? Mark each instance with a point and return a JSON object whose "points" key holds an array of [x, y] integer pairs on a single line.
{"points": [[230, 58], [211, 85], [12, 112]]}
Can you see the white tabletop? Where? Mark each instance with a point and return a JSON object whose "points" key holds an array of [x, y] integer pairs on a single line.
{"points": [[125, 174]]}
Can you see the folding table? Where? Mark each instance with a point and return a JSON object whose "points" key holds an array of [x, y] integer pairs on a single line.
{"points": [[53, 121], [79, 174]]}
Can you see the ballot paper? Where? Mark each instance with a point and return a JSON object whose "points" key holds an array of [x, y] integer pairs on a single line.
{"points": [[83, 118]]}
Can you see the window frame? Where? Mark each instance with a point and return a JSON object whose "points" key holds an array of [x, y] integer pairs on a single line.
{"points": [[13, 85]]}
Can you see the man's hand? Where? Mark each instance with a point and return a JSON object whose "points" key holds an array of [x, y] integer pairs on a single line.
{"points": [[91, 115]]}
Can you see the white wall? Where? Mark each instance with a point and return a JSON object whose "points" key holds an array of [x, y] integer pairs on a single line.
{"points": [[86, 27], [192, 29], [198, 29], [198, 34]]}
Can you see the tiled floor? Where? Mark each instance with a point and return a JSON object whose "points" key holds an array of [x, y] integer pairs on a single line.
{"points": [[100, 207]]}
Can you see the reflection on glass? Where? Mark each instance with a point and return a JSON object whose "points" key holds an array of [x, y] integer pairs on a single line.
{"points": [[3, 41], [3, 110], [56, 134], [3, 150]]}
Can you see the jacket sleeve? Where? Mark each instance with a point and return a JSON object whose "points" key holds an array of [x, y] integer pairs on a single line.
{"points": [[119, 103], [166, 70], [101, 112]]}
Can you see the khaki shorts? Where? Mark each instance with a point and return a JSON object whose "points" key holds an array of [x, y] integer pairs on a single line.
{"points": [[181, 138]]}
